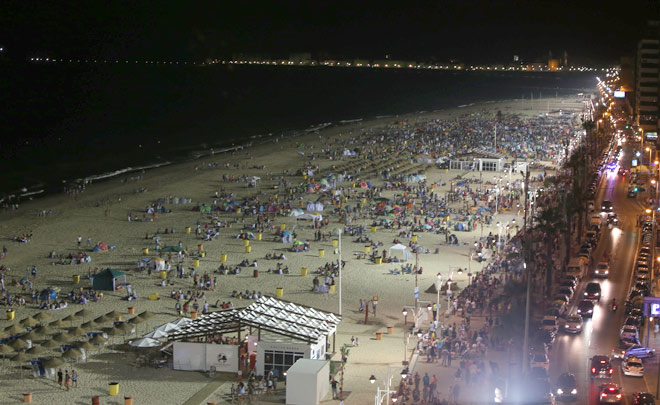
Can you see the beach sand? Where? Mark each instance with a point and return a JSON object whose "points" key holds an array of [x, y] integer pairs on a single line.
{"points": [[100, 213]]}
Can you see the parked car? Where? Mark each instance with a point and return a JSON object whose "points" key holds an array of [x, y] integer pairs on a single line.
{"points": [[540, 360], [632, 367]]}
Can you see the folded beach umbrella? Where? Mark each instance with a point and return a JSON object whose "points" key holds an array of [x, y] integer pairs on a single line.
{"points": [[42, 316], [54, 362], [19, 344], [29, 322], [15, 329]]}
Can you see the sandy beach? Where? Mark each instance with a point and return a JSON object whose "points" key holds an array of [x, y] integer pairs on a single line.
{"points": [[100, 214]]}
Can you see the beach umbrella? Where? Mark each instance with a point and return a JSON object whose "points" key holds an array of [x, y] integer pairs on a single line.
{"points": [[137, 320], [57, 324], [63, 337], [50, 344], [46, 330], [72, 354], [34, 334], [4, 334], [35, 351], [15, 329], [19, 344], [89, 325], [146, 315], [102, 319], [144, 342], [53, 362], [124, 327], [113, 332], [71, 318], [29, 322], [86, 345], [42, 316], [20, 357], [5, 350], [84, 313], [113, 315], [77, 331], [98, 340]]}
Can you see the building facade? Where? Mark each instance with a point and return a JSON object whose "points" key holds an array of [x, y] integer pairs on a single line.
{"points": [[647, 79]]}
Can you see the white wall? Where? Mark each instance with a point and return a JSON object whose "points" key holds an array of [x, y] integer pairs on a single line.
{"points": [[303, 348], [201, 356], [307, 387]]}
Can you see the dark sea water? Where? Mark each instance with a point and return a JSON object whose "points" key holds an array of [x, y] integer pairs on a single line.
{"points": [[63, 122]]}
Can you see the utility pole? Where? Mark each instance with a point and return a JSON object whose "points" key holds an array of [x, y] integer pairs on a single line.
{"points": [[525, 354]]}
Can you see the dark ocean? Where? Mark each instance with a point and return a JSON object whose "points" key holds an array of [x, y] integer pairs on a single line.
{"points": [[63, 122]]}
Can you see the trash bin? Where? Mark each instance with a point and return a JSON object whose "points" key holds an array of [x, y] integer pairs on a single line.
{"points": [[11, 314], [321, 252], [238, 210], [255, 273], [223, 257], [196, 262], [414, 238], [259, 236], [76, 279], [390, 330], [163, 274], [379, 260], [193, 314], [303, 271], [131, 310], [246, 242], [335, 243], [27, 397], [188, 229], [200, 247], [113, 388], [202, 254], [95, 401], [367, 249], [379, 335], [332, 289], [128, 400], [282, 227], [145, 251], [248, 249], [373, 229], [279, 292]]}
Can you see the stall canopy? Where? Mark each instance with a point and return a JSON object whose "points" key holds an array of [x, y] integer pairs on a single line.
{"points": [[401, 249], [107, 279], [266, 315]]}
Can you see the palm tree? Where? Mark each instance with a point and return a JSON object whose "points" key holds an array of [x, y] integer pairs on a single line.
{"points": [[551, 223]]}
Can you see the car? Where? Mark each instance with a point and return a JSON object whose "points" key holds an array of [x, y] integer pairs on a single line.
{"points": [[545, 338], [573, 324], [645, 250], [632, 367], [612, 219], [601, 367], [610, 393], [586, 246], [540, 360], [560, 305], [565, 291], [638, 314], [568, 283], [549, 323], [584, 253], [538, 373], [640, 351], [643, 398], [561, 297], [592, 292], [629, 330], [632, 320], [586, 308], [591, 207], [631, 193], [606, 206], [566, 387], [602, 269], [625, 343]]}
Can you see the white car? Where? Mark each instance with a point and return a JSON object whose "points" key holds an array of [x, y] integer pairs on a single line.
{"points": [[573, 324], [602, 269], [629, 331], [632, 366], [540, 360]]}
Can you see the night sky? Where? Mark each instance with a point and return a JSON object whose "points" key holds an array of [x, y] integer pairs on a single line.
{"points": [[475, 31]]}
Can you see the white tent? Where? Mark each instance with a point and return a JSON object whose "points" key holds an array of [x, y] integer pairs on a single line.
{"points": [[402, 249], [296, 212], [310, 216], [145, 342], [307, 382], [158, 264], [157, 334], [311, 206], [319, 206], [181, 322]]}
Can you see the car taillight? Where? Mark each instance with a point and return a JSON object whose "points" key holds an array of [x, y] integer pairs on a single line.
{"points": [[593, 370], [603, 395], [618, 396], [611, 370]]}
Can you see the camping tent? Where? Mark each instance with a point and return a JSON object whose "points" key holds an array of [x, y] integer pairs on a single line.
{"points": [[48, 294], [106, 280], [158, 263], [401, 249], [100, 246]]}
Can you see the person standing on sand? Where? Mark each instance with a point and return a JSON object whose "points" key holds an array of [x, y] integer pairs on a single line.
{"points": [[67, 380], [74, 379], [60, 377]]}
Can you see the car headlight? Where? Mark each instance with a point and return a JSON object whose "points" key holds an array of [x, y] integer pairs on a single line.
{"points": [[574, 391], [578, 326]]}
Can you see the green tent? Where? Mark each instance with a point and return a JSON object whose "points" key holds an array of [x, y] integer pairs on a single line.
{"points": [[106, 280], [171, 249]]}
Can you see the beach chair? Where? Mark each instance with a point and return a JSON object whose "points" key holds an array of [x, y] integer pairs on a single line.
{"points": [[394, 272]]}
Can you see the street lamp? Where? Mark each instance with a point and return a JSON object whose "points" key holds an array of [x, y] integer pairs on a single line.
{"points": [[405, 316], [339, 232], [386, 392], [649, 151], [438, 286]]}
